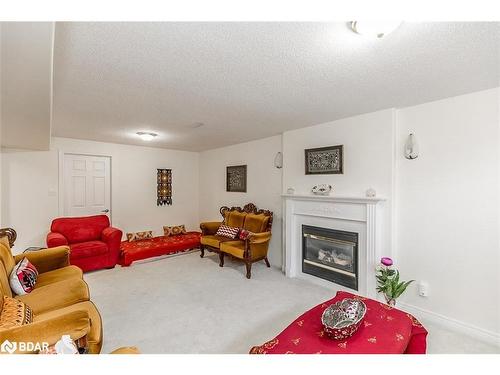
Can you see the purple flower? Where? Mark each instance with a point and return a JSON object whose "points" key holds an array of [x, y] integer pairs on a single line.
{"points": [[386, 261]]}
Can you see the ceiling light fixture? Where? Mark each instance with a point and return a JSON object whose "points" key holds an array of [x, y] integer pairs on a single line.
{"points": [[147, 136], [374, 28]]}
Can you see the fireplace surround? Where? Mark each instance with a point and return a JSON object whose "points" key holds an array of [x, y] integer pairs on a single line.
{"points": [[361, 216]]}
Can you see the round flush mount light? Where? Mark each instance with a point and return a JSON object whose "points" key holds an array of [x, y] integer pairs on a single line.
{"points": [[147, 136], [374, 28]]}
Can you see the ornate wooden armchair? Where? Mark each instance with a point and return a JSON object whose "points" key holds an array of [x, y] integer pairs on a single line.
{"points": [[253, 249]]}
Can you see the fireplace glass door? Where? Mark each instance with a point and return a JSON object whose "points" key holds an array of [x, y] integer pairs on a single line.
{"points": [[331, 255]]}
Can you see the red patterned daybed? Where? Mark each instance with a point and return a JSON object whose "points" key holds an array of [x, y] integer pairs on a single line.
{"points": [[148, 248], [385, 330]]}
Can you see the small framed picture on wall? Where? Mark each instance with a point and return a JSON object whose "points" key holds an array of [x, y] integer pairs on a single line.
{"points": [[236, 178], [325, 160]]}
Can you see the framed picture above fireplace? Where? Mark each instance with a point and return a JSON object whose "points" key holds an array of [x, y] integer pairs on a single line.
{"points": [[325, 160]]}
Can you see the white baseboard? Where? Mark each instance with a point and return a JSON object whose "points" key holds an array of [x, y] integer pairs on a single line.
{"points": [[481, 334]]}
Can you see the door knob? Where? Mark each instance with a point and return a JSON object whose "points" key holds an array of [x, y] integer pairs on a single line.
{"points": [[105, 211]]}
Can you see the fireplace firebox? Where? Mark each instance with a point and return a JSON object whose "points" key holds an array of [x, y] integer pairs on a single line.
{"points": [[331, 255]]}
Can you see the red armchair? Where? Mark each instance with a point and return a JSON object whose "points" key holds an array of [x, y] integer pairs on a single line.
{"points": [[93, 243]]}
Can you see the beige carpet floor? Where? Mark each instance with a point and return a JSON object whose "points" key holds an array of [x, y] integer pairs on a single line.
{"points": [[185, 304]]}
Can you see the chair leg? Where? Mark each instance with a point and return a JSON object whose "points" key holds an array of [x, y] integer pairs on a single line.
{"points": [[267, 262], [202, 251], [221, 257], [249, 269]]}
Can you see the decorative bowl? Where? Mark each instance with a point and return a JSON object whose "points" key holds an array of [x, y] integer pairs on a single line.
{"points": [[322, 189], [342, 319]]}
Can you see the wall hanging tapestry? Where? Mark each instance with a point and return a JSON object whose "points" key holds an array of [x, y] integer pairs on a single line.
{"points": [[164, 192], [325, 160]]}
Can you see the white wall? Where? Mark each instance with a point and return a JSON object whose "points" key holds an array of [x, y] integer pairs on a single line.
{"points": [[368, 160], [263, 184], [28, 178], [447, 207], [26, 51]]}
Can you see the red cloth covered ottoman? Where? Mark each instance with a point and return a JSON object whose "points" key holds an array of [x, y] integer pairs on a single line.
{"points": [[385, 330], [148, 248]]}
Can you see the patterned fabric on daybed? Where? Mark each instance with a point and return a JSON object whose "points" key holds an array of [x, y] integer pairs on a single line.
{"points": [[153, 247]]}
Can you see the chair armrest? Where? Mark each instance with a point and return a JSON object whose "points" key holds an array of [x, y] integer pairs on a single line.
{"points": [[75, 323], [55, 239], [256, 238], [47, 259], [210, 227], [111, 235], [113, 238]]}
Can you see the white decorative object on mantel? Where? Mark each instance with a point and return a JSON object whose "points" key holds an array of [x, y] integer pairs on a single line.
{"points": [[371, 193], [360, 215], [290, 190], [321, 189]]}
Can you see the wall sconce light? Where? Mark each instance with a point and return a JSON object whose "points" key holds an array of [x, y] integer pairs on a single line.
{"points": [[411, 147], [164, 190], [278, 160]]}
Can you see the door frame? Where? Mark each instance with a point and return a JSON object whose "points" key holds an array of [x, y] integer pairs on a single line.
{"points": [[61, 187]]}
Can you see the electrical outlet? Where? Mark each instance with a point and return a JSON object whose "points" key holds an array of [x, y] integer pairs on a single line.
{"points": [[423, 289]]}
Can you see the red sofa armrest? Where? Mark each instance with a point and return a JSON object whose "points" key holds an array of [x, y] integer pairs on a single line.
{"points": [[55, 239], [113, 238]]}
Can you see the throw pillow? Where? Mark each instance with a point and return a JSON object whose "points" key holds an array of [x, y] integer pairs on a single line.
{"points": [[174, 230], [131, 237], [227, 231], [23, 277], [244, 234], [14, 313]]}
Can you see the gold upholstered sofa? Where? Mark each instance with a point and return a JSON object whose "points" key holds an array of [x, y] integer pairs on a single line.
{"points": [[253, 249], [60, 302]]}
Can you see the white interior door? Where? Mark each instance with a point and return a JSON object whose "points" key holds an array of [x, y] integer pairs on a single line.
{"points": [[87, 185]]}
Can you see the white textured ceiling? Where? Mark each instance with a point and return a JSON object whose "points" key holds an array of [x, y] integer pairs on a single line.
{"points": [[247, 81]]}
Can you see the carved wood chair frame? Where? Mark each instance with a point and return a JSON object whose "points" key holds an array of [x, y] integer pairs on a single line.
{"points": [[249, 208], [10, 233]]}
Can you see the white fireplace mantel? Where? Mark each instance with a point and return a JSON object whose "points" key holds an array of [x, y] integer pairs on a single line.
{"points": [[334, 198], [355, 214]]}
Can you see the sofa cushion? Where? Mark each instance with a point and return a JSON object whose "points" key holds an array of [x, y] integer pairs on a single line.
{"points": [[256, 223], [235, 219], [88, 249], [56, 295], [174, 230], [23, 277], [94, 337], [235, 248], [61, 274], [227, 231], [14, 313], [139, 236], [244, 234], [213, 241], [80, 229]]}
